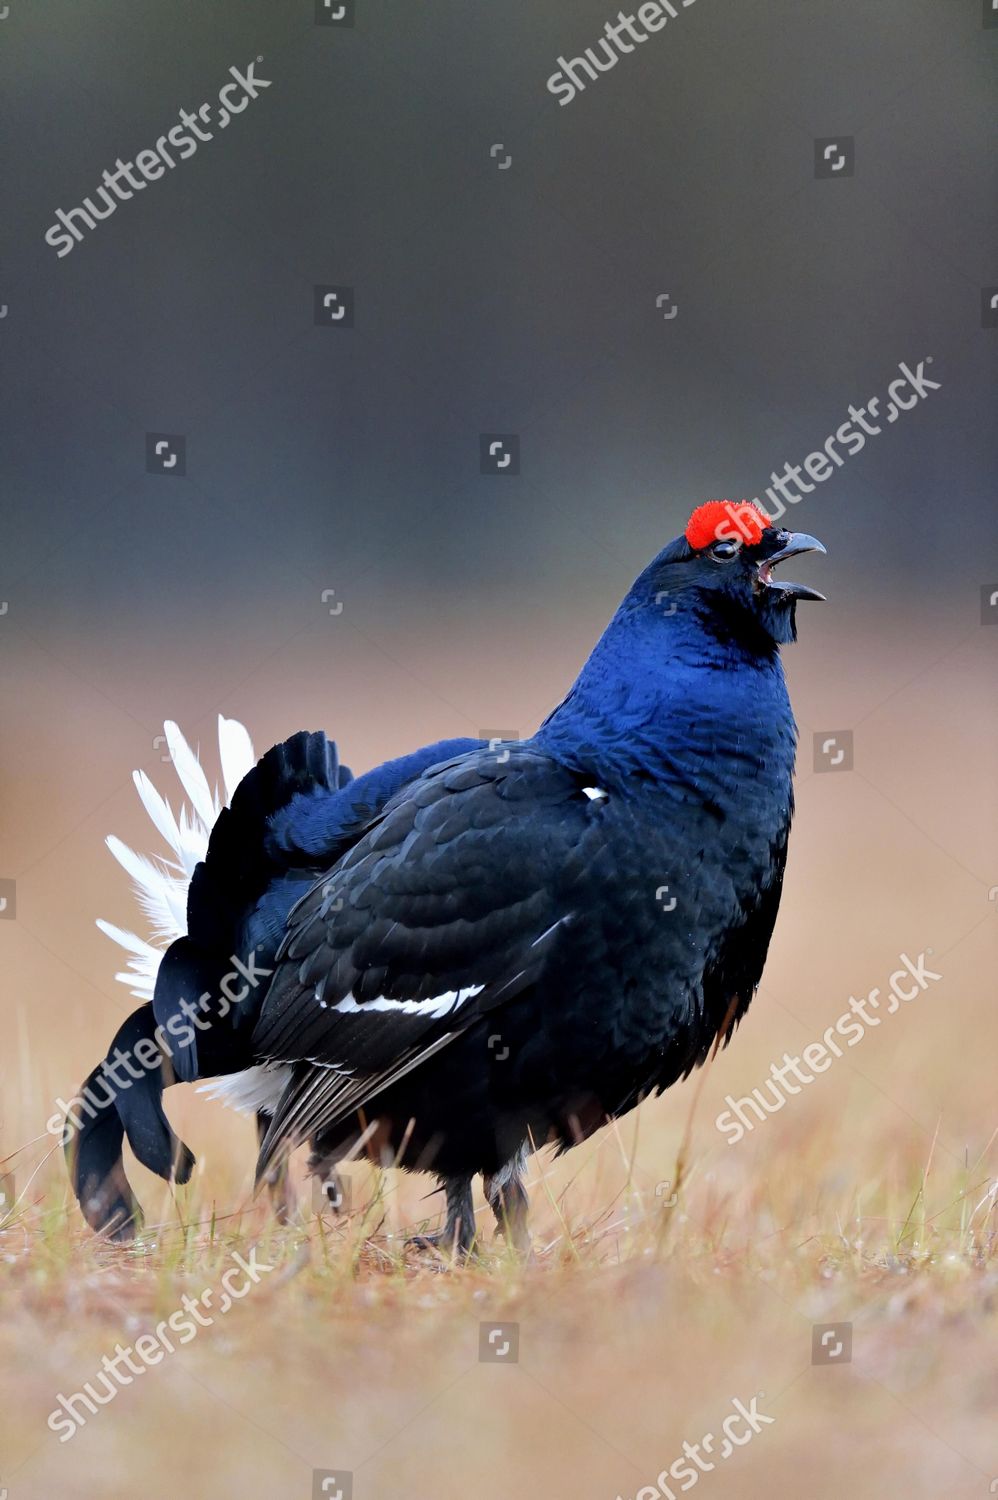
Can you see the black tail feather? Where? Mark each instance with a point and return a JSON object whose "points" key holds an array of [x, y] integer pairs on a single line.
{"points": [[252, 841], [239, 896], [255, 868], [97, 1172], [114, 1104]]}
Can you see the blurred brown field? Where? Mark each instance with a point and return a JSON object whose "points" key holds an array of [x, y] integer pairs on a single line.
{"points": [[864, 1200]]}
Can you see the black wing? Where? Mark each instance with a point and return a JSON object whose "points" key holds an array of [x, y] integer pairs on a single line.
{"points": [[450, 905]]}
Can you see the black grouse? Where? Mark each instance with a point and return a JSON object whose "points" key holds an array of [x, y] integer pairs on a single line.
{"points": [[479, 949]]}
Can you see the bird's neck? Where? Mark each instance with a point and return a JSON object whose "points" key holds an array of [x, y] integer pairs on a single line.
{"points": [[668, 699]]}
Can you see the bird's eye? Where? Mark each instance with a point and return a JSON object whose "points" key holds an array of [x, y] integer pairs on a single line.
{"points": [[726, 550]]}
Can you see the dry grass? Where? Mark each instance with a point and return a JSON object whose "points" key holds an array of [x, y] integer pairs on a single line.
{"points": [[639, 1323]]}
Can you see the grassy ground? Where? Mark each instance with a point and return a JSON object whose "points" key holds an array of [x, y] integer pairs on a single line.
{"points": [[640, 1322]]}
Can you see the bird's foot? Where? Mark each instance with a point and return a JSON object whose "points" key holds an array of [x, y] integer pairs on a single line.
{"points": [[443, 1249], [450, 1241], [457, 1238]]}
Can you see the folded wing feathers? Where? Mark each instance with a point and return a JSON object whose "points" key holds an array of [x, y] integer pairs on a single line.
{"points": [[161, 883], [326, 1095]]}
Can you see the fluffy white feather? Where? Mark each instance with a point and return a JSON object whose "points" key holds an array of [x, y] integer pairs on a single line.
{"points": [[193, 779], [251, 1090], [161, 882], [162, 896], [187, 846], [235, 749], [143, 963]]}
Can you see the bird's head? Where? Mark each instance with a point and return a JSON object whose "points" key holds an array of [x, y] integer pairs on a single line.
{"points": [[720, 572]]}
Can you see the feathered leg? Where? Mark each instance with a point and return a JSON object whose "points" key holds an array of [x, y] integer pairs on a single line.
{"points": [[507, 1198]]}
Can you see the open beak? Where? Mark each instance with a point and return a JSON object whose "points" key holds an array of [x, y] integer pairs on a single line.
{"points": [[794, 543]]}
